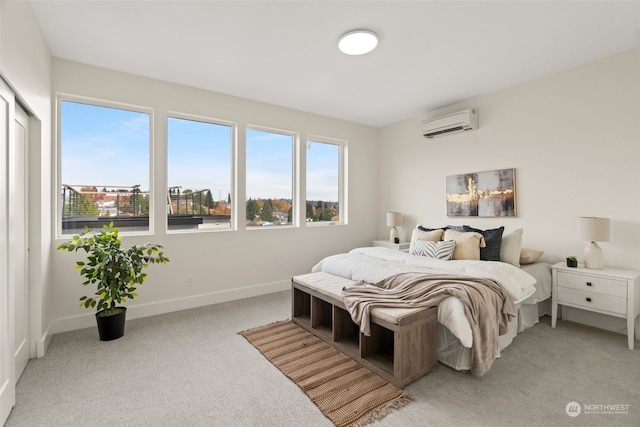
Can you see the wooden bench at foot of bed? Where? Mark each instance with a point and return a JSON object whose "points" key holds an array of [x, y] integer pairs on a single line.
{"points": [[402, 345]]}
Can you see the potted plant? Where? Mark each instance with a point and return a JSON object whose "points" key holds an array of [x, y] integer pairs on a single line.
{"points": [[115, 271]]}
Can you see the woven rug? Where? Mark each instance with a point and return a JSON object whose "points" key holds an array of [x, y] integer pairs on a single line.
{"points": [[346, 392]]}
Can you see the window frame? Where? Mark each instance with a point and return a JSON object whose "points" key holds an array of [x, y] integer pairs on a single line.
{"points": [[295, 175], [98, 102], [233, 169], [342, 180]]}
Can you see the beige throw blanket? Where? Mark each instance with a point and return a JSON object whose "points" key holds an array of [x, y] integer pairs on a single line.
{"points": [[488, 306]]}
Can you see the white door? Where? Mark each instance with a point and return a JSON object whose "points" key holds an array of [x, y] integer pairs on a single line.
{"points": [[18, 250], [7, 340]]}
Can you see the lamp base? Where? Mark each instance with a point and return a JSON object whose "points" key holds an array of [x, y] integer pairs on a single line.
{"points": [[593, 256], [393, 236]]}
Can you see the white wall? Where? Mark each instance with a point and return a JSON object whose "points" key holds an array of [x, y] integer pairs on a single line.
{"points": [[231, 264], [26, 65], [574, 139]]}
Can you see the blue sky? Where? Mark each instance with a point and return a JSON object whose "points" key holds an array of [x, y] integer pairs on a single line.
{"points": [[104, 146], [107, 146], [322, 171], [199, 156], [269, 165]]}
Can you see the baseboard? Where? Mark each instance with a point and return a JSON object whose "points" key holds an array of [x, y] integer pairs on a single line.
{"points": [[42, 345], [72, 323], [601, 321]]}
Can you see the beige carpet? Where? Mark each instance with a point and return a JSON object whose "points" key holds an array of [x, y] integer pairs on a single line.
{"points": [[346, 392]]}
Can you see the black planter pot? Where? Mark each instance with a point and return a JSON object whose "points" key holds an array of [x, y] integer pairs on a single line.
{"points": [[111, 327]]}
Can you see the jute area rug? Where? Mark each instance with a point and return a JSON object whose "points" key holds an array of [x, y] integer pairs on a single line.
{"points": [[346, 392]]}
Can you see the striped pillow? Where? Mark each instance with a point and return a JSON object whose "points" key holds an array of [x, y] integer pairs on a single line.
{"points": [[439, 250]]}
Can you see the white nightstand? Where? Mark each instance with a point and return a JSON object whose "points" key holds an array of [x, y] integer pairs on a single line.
{"points": [[611, 291], [387, 244]]}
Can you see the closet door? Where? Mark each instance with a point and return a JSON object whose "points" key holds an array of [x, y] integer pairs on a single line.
{"points": [[7, 339], [18, 255]]}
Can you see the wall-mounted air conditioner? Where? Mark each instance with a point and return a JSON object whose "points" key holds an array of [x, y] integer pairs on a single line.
{"points": [[451, 123]]}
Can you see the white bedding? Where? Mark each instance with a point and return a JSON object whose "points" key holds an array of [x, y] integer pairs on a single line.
{"points": [[374, 264]]}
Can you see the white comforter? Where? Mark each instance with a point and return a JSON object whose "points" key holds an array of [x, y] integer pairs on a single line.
{"points": [[374, 264]]}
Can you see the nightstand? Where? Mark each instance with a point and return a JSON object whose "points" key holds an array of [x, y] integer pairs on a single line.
{"points": [[387, 244], [611, 291]]}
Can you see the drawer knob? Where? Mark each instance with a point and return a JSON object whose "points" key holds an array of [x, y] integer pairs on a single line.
{"points": [[589, 284], [588, 299]]}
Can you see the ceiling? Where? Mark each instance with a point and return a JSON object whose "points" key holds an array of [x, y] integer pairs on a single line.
{"points": [[431, 53]]}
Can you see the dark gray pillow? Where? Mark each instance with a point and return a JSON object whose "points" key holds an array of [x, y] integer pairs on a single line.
{"points": [[493, 241], [430, 229]]}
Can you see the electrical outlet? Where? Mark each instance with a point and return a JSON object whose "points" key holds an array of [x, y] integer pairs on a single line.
{"points": [[189, 280]]}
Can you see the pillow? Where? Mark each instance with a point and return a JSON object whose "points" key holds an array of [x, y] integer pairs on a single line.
{"points": [[432, 235], [420, 235], [438, 250], [493, 239], [467, 244], [529, 256], [430, 229], [511, 246], [459, 228]]}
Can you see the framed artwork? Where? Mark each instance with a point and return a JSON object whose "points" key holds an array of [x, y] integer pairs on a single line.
{"points": [[488, 194]]}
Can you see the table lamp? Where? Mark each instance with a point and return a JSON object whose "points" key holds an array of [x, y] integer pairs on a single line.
{"points": [[593, 230], [394, 219]]}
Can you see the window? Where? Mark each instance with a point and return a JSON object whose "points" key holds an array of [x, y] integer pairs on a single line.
{"points": [[269, 178], [199, 172], [325, 182], [104, 167]]}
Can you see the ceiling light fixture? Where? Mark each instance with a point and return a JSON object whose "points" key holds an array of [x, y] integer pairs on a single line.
{"points": [[358, 42]]}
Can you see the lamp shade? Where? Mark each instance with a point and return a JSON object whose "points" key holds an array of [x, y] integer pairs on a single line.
{"points": [[593, 229], [394, 219]]}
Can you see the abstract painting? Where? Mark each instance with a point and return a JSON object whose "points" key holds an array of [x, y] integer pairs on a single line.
{"points": [[490, 193]]}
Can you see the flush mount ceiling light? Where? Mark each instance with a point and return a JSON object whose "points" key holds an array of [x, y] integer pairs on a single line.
{"points": [[358, 42]]}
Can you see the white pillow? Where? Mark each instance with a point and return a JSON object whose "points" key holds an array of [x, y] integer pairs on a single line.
{"points": [[511, 247], [439, 250]]}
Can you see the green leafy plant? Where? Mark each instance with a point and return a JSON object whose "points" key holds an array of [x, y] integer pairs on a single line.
{"points": [[115, 271], [572, 258]]}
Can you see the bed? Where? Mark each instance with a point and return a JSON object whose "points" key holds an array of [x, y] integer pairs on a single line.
{"points": [[529, 285]]}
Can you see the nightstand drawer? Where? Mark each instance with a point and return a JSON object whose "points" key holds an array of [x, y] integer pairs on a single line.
{"points": [[600, 285], [592, 300]]}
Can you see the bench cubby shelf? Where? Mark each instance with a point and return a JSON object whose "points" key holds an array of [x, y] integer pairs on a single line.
{"points": [[399, 353]]}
